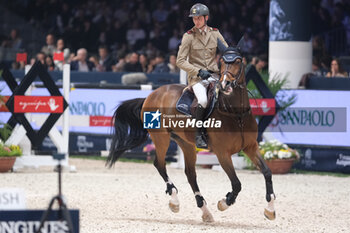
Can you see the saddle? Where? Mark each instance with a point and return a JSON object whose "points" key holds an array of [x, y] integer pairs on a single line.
{"points": [[187, 103]]}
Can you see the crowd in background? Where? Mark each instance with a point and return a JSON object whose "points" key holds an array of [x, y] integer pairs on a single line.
{"points": [[144, 35]]}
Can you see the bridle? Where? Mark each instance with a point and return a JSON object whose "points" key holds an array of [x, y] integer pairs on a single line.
{"points": [[229, 57]]}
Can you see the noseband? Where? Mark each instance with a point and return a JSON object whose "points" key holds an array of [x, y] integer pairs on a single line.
{"points": [[229, 58]]}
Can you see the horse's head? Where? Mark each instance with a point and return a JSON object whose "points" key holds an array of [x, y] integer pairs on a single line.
{"points": [[232, 67]]}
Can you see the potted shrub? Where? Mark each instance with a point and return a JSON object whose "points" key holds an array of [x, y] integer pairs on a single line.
{"points": [[278, 156], [8, 155]]}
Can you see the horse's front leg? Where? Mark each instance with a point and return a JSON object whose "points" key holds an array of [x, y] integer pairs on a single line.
{"points": [[254, 155], [190, 156], [226, 163]]}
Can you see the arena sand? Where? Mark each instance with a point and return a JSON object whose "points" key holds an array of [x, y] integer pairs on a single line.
{"points": [[131, 198]]}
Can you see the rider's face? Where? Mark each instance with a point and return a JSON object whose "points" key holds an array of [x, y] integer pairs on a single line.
{"points": [[199, 21]]}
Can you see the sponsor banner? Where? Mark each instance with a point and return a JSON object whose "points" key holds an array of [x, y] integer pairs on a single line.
{"points": [[310, 120], [324, 159], [12, 199], [17, 221], [263, 106], [43, 104], [100, 121], [83, 102], [94, 144], [316, 118]]}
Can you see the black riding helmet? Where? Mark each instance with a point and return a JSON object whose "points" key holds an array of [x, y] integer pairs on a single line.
{"points": [[199, 9]]}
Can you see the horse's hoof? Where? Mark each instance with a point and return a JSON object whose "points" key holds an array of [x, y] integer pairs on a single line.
{"points": [[270, 215], [174, 207], [207, 217], [222, 205]]}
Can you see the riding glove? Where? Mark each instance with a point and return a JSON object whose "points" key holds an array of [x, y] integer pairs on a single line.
{"points": [[204, 74]]}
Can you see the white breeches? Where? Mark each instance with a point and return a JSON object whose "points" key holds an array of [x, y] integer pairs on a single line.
{"points": [[200, 90]]}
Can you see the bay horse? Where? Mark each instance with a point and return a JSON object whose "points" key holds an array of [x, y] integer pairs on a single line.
{"points": [[238, 132]]}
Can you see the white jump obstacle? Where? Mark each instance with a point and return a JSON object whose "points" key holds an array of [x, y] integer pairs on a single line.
{"points": [[61, 141]]}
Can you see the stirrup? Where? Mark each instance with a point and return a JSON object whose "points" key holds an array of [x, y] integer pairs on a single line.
{"points": [[201, 142]]}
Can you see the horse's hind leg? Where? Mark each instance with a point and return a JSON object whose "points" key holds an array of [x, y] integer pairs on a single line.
{"points": [[254, 155], [226, 163], [161, 141], [190, 156]]}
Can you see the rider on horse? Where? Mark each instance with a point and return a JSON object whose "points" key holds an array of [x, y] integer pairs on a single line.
{"points": [[197, 56]]}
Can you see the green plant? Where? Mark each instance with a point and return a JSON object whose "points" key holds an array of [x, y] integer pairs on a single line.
{"points": [[5, 131], [9, 150], [274, 149], [275, 84]]}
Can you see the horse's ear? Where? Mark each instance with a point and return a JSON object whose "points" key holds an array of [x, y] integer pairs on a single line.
{"points": [[221, 46], [240, 44]]}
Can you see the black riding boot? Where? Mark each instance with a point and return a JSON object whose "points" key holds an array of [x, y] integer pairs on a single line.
{"points": [[201, 140]]}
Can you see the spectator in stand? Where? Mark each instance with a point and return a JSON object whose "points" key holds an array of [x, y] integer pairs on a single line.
{"points": [[105, 60], [254, 60], [116, 36], [262, 63], [320, 53], [119, 67], [336, 70], [18, 65], [50, 47], [174, 41], [14, 41], [152, 63], [82, 23], [41, 57], [161, 64], [160, 14], [143, 13], [60, 48], [316, 67], [150, 50], [63, 17], [89, 36], [133, 64], [173, 69], [158, 38], [80, 62], [135, 35], [49, 63], [122, 13], [94, 60], [32, 61], [144, 62]]}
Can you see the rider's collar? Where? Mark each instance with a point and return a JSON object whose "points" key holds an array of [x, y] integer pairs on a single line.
{"points": [[205, 29]]}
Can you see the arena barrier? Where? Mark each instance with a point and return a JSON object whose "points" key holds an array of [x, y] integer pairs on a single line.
{"points": [[21, 104]]}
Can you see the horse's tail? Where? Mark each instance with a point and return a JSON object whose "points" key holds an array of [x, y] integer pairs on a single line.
{"points": [[128, 129]]}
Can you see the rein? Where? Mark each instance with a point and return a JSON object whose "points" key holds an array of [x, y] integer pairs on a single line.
{"points": [[237, 116]]}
